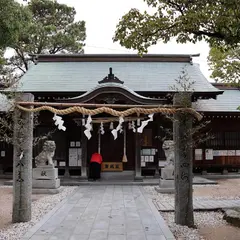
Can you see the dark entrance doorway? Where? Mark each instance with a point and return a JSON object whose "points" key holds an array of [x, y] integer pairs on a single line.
{"points": [[111, 150]]}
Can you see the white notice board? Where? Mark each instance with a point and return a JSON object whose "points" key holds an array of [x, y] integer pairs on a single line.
{"points": [[75, 157], [209, 154]]}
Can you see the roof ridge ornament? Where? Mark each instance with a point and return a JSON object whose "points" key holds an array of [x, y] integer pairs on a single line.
{"points": [[111, 78]]}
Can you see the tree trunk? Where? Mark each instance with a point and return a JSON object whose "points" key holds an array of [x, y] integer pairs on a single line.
{"points": [[183, 162], [22, 164]]}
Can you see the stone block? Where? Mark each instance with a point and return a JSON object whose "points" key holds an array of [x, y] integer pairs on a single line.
{"points": [[45, 173], [46, 191], [163, 183], [167, 172], [165, 190], [46, 184]]}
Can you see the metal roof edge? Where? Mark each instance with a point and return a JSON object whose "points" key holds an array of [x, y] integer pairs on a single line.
{"points": [[114, 57]]}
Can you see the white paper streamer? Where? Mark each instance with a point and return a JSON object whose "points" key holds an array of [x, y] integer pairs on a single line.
{"points": [[111, 125], [88, 127], [59, 122], [145, 123], [118, 128], [138, 122], [133, 126], [102, 128]]}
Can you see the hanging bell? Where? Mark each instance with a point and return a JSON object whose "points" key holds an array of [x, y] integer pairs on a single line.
{"points": [[111, 125]]}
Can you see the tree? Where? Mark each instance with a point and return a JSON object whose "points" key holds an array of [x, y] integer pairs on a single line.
{"points": [[225, 65], [52, 30], [217, 22], [13, 19]]}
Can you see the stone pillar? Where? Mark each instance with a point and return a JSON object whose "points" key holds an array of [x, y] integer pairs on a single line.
{"points": [[84, 155], [22, 163], [138, 170], [183, 162]]}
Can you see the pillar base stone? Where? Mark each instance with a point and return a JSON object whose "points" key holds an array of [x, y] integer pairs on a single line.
{"points": [[166, 186], [138, 179]]}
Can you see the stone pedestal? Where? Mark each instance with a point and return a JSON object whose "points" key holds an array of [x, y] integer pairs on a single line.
{"points": [[45, 180], [166, 182]]}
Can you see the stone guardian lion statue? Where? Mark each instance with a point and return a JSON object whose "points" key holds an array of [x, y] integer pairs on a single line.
{"points": [[168, 147], [45, 157]]}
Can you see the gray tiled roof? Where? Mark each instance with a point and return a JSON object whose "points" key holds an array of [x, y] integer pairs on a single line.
{"points": [[226, 102], [84, 76]]}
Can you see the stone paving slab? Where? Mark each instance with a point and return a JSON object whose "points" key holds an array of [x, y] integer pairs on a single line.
{"points": [[104, 213], [199, 205]]}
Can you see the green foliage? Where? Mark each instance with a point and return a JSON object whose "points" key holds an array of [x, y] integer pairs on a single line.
{"points": [[13, 19], [51, 30], [218, 22], [225, 65]]}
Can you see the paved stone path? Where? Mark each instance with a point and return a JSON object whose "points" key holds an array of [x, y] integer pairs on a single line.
{"points": [[199, 205], [103, 213]]}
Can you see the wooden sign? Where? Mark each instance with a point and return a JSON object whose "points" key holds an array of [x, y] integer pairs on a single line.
{"points": [[112, 167]]}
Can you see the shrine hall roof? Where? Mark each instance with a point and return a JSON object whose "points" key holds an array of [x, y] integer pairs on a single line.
{"points": [[229, 101], [81, 73]]}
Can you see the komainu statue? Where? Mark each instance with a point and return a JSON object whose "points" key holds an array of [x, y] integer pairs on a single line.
{"points": [[168, 147], [45, 156]]}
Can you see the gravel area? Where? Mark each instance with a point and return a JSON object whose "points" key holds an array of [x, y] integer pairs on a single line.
{"points": [[41, 206], [210, 225], [202, 219]]}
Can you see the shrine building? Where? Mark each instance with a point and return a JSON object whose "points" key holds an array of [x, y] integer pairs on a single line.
{"points": [[121, 81]]}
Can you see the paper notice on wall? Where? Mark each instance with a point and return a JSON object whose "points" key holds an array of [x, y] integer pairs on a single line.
{"points": [[231, 152], [209, 154], [143, 164], [151, 158], [3, 154], [78, 144], [72, 144], [153, 151], [237, 152], [142, 158], [198, 154], [62, 164], [223, 153]]}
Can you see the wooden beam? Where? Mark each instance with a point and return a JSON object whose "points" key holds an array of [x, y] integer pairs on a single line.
{"points": [[90, 105]]}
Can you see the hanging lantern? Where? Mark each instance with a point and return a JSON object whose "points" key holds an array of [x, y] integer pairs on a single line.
{"points": [[111, 125]]}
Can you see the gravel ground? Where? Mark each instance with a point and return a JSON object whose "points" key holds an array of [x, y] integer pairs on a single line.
{"points": [[210, 225], [41, 206]]}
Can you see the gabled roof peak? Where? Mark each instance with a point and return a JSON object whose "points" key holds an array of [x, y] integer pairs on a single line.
{"points": [[111, 78]]}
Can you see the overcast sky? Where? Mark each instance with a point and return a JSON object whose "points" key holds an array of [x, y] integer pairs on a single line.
{"points": [[101, 18]]}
